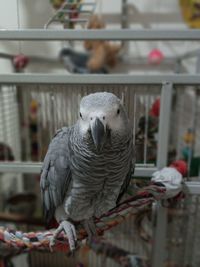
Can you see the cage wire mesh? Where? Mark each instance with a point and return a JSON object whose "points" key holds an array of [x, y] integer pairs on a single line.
{"points": [[186, 127], [46, 108], [9, 123], [183, 232], [10, 147]]}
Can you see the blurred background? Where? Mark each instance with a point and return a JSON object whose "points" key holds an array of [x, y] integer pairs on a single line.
{"points": [[30, 114]]}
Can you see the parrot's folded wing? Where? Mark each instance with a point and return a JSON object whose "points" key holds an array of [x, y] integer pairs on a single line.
{"points": [[129, 174], [56, 175]]}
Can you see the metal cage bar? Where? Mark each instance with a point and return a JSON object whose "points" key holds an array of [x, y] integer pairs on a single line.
{"points": [[164, 124], [32, 78], [124, 35], [160, 227], [35, 168]]}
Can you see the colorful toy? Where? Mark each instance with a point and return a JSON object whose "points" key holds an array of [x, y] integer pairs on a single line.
{"points": [[180, 166], [20, 62], [155, 109], [188, 153], [155, 57], [189, 136], [68, 12]]}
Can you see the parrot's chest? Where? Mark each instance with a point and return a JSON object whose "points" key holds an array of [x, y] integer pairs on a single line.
{"points": [[96, 165], [91, 170], [95, 178]]}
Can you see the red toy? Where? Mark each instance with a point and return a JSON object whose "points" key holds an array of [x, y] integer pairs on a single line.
{"points": [[20, 62], [155, 57], [180, 166], [155, 109]]}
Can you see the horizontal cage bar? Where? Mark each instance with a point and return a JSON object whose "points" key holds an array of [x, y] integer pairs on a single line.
{"points": [[30, 78], [31, 167], [125, 34]]}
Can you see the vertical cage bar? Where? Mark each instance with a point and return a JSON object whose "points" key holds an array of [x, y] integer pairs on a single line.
{"points": [[146, 129], [164, 124], [124, 22], [197, 93], [3, 119], [160, 227], [134, 118]]}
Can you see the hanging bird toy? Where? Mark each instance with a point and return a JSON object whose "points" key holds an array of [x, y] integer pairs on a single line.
{"points": [[68, 12]]}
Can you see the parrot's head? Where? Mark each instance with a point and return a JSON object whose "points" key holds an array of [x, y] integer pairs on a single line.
{"points": [[102, 117]]}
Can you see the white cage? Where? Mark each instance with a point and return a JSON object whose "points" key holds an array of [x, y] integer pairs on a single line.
{"points": [[54, 94]]}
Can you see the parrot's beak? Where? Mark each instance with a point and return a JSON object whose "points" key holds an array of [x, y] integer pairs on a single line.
{"points": [[98, 133]]}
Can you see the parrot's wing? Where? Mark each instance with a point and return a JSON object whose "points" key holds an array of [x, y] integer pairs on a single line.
{"points": [[56, 175], [129, 174]]}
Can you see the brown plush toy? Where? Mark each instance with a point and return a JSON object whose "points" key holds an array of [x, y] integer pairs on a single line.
{"points": [[103, 53]]}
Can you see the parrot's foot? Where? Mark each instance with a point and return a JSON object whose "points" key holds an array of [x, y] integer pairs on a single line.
{"points": [[90, 229], [69, 230]]}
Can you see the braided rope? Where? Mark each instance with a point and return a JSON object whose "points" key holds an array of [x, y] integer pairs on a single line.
{"points": [[18, 241]]}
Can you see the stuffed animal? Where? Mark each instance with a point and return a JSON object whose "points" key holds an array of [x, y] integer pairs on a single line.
{"points": [[103, 53]]}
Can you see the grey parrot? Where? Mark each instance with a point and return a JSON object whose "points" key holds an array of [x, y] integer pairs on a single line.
{"points": [[88, 166]]}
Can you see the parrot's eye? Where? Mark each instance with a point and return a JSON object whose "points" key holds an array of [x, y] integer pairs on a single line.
{"points": [[118, 111], [80, 115]]}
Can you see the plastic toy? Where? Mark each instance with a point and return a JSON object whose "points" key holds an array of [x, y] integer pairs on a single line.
{"points": [[155, 109], [189, 136], [20, 62], [155, 56]]}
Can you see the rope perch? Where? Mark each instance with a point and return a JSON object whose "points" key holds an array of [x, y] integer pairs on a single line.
{"points": [[20, 242]]}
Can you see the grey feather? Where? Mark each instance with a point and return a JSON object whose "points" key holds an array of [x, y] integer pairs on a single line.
{"points": [[127, 181], [56, 174]]}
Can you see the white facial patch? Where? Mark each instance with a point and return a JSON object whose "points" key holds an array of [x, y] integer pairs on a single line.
{"points": [[108, 115]]}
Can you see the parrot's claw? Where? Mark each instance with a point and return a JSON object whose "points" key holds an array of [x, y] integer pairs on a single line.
{"points": [[90, 229], [69, 230], [52, 242]]}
